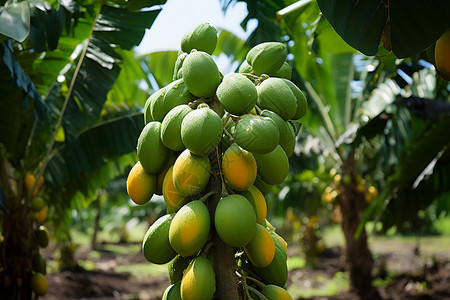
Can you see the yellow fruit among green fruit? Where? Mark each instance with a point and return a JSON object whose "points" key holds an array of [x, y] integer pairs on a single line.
{"points": [[156, 246], [173, 199], [29, 182], [441, 55], [191, 173], [261, 249], [239, 168], [39, 284], [274, 292], [161, 174], [235, 220], [257, 200], [198, 281], [140, 185], [41, 216], [190, 228]]}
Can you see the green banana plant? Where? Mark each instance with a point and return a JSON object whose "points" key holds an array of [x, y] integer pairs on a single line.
{"points": [[57, 118]]}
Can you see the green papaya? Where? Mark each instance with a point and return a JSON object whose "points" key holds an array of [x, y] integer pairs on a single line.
{"points": [[155, 245], [151, 152], [256, 134], [273, 167], [201, 74], [267, 58], [171, 127], [202, 37], [237, 94], [287, 135], [274, 94]]}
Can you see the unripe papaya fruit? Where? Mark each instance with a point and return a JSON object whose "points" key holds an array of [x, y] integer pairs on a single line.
{"points": [[267, 58], [29, 182], [285, 71], [39, 264], [157, 96], [287, 135], [178, 65], [273, 167], [256, 134], [151, 152], [257, 200], [302, 104], [274, 292], [201, 74], [189, 229], [140, 185], [203, 37], [239, 168], [201, 131], [280, 243], [172, 292], [261, 249], [274, 94], [276, 272], [39, 284], [176, 94], [441, 55], [191, 173], [199, 280], [173, 199], [37, 203], [245, 67], [42, 236], [237, 94], [262, 186], [177, 266], [155, 245], [235, 220], [171, 127]]}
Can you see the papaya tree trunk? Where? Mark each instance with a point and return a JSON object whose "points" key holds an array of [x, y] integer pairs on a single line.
{"points": [[16, 252], [358, 257], [222, 255]]}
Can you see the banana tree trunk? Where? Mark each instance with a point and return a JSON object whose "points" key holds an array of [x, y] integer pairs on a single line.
{"points": [[358, 257]]}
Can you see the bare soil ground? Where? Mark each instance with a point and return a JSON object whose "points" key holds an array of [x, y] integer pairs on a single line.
{"points": [[419, 278]]}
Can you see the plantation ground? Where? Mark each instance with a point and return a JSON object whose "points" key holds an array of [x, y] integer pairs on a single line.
{"points": [[404, 271]]}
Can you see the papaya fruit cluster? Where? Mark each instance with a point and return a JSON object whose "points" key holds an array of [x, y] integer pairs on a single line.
{"points": [[241, 126], [38, 214]]}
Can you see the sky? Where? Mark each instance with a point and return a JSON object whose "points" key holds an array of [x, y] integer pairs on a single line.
{"points": [[178, 16]]}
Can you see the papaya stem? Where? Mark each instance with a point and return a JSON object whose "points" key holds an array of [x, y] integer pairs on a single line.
{"points": [[228, 135], [206, 196], [258, 293]]}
